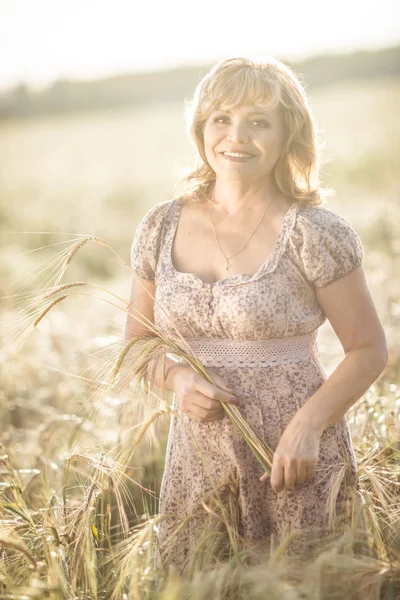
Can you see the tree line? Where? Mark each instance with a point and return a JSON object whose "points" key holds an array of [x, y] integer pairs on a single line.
{"points": [[134, 89]]}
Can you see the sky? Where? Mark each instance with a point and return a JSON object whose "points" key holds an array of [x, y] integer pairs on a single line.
{"points": [[43, 40]]}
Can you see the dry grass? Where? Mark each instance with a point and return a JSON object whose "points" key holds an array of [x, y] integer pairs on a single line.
{"points": [[84, 447], [76, 524], [146, 350]]}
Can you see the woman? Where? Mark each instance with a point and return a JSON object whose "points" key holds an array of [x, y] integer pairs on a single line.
{"points": [[249, 265]]}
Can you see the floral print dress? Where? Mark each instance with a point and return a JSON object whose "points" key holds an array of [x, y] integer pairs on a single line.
{"points": [[315, 247]]}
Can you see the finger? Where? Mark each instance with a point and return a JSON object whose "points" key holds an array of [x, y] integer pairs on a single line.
{"points": [[216, 399], [204, 413], [220, 382], [199, 399], [277, 475], [290, 475], [216, 393], [217, 417], [211, 404], [311, 468], [208, 415], [192, 416], [206, 419], [301, 473], [195, 417]]}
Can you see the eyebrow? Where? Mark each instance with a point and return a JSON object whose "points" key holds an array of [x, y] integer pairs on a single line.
{"points": [[256, 112]]}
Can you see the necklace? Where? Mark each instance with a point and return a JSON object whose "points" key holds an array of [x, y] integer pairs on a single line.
{"points": [[227, 259]]}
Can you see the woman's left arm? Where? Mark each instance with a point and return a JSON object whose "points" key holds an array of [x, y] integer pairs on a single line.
{"points": [[348, 305]]}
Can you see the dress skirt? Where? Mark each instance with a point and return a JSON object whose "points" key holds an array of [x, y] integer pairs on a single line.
{"points": [[211, 465]]}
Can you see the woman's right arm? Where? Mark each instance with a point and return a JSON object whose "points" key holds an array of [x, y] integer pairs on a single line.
{"points": [[198, 398], [142, 305]]}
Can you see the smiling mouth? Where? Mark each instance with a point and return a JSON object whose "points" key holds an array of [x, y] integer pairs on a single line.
{"points": [[238, 154], [237, 157]]}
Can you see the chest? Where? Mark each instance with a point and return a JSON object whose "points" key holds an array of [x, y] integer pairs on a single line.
{"points": [[273, 305], [216, 251]]}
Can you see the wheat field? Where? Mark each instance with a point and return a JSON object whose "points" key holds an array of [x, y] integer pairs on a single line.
{"points": [[81, 459]]}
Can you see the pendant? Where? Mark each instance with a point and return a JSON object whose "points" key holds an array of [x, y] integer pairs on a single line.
{"points": [[227, 265]]}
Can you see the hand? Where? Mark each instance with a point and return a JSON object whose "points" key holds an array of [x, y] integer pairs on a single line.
{"points": [[198, 398], [296, 456]]}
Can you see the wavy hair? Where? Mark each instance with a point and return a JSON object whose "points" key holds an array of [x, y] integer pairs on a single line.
{"points": [[269, 83]]}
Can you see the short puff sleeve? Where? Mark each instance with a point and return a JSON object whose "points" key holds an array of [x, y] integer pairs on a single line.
{"points": [[146, 242], [326, 244]]}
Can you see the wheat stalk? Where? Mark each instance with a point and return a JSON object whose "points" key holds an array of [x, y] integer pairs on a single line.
{"points": [[18, 546], [151, 348], [62, 288]]}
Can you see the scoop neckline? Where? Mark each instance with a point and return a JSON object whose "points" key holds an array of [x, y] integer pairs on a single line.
{"points": [[268, 265]]}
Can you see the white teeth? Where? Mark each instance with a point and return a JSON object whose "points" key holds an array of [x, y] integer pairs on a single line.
{"points": [[237, 154]]}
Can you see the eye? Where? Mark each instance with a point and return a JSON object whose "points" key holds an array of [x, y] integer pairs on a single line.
{"points": [[217, 119], [261, 122]]}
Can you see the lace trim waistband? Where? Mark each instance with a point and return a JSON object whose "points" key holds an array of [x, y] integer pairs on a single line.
{"points": [[257, 353]]}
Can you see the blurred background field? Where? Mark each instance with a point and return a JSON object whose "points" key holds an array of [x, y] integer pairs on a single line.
{"points": [[95, 169], [97, 172]]}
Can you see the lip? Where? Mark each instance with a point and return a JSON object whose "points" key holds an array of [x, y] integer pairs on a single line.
{"points": [[237, 159], [237, 152]]}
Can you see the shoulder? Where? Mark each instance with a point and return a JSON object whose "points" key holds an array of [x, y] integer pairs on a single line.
{"points": [[318, 225], [147, 240], [151, 223], [325, 244], [156, 213], [320, 218]]}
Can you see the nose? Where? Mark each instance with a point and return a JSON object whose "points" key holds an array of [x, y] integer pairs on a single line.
{"points": [[237, 133]]}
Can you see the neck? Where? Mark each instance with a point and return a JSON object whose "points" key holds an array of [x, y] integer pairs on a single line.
{"points": [[232, 197]]}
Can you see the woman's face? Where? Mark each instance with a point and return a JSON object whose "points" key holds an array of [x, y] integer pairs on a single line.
{"points": [[251, 130]]}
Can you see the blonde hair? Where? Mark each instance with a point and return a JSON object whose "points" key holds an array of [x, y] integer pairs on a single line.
{"points": [[267, 82]]}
